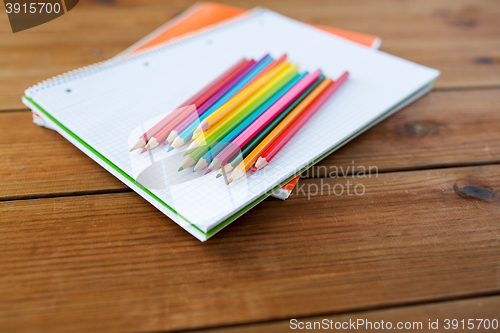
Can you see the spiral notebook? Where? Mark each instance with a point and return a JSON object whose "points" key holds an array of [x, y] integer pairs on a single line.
{"points": [[99, 110], [202, 15]]}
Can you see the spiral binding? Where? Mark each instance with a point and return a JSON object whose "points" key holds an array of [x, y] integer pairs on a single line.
{"points": [[106, 64]]}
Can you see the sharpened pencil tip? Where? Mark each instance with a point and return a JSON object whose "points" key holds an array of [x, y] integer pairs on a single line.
{"points": [[208, 171], [180, 169], [142, 151], [185, 153], [218, 175], [229, 181], [170, 149], [166, 142], [254, 169]]}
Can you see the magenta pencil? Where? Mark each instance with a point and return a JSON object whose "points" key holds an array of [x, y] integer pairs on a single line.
{"points": [[143, 139], [205, 106], [263, 120]]}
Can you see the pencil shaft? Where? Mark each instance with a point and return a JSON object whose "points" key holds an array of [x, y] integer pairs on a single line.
{"points": [[235, 77], [269, 115], [188, 132], [271, 65], [269, 139], [163, 133], [257, 113], [252, 103], [255, 141], [148, 134], [269, 154], [243, 95]]}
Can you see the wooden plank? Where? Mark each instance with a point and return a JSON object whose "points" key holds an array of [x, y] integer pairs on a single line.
{"points": [[441, 129], [113, 263], [459, 37], [38, 162], [444, 128], [441, 315]]}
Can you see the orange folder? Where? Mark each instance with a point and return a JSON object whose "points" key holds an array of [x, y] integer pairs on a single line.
{"points": [[204, 14]]}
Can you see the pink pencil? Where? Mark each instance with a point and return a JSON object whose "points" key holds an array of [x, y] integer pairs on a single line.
{"points": [[163, 133], [263, 120], [143, 139], [201, 110]]}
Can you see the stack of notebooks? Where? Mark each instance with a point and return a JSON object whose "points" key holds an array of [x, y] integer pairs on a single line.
{"points": [[104, 108]]}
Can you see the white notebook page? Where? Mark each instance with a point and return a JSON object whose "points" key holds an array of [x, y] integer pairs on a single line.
{"points": [[115, 104]]}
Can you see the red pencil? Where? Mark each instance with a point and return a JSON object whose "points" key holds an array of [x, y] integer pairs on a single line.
{"points": [[143, 139], [268, 155]]}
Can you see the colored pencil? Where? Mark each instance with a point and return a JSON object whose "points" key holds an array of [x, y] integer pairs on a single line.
{"points": [[269, 154], [207, 157], [142, 140], [263, 120], [232, 130], [273, 64], [186, 134], [240, 98], [234, 161], [251, 104], [205, 106], [281, 127], [162, 134]]}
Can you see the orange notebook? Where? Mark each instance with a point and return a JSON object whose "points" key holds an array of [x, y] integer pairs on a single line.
{"points": [[204, 14]]}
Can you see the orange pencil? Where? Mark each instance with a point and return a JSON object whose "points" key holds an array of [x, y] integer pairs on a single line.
{"points": [[271, 65], [249, 161], [240, 98], [268, 155]]}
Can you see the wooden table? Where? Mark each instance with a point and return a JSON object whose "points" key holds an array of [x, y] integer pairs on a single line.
{"points": [[79, 251]]}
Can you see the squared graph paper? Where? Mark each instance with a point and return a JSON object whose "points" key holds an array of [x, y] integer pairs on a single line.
{"points": [[101, 110]]}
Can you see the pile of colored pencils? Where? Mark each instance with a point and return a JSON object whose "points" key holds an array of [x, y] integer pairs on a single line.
{"points": [[244, 117]]}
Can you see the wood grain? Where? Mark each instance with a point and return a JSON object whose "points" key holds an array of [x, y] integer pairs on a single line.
{"points": [[114, 263], [459, 37], [444, 128], [477, 308]]}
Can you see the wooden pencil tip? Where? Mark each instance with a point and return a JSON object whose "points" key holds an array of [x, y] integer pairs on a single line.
{"points": [[218, 175], [229, 181], [170, 149], [166, 142], [185, 153], [145, 149], [254, 169], [208, 171], [180, 169]]}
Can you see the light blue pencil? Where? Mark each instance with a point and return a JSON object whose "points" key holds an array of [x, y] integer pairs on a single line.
{"points": [[205, 160], [186, 135]]}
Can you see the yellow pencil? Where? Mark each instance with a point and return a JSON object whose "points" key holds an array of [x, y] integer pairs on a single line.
{"points": [[286, 74], [241, 97]]}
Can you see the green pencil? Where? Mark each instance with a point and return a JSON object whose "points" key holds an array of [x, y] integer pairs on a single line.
{"points": [[254, 142]]}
